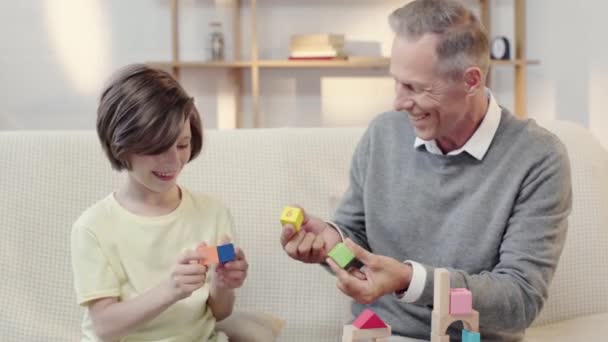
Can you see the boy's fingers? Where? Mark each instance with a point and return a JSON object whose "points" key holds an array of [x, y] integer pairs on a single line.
{"points": [[188, 256], [224, 239]]}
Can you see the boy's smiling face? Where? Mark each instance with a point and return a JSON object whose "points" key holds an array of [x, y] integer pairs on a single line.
{"points": [[158, 173]]}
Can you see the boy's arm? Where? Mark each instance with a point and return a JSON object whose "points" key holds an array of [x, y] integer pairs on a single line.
{"points": [[113, 319], [221, 302]]}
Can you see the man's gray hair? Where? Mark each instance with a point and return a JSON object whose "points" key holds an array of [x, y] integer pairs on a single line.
{"points": [[463, 41]]}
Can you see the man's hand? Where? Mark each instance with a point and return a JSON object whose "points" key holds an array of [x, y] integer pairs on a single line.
{"points": [[379, 276], [311, 243]]}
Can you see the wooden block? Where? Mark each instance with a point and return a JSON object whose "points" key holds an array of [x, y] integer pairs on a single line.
{"points": [[441, 299], [342, 255], [440, 323], [351, 333], [369, 320], [226, 253], [209, 254], [440, 338], [461, 302], [468, 336], [293, 216]]}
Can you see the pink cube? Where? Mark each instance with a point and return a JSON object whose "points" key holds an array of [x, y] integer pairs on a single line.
{"points": [[461, 302]]}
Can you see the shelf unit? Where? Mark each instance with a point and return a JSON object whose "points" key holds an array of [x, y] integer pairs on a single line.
{"points": [[237, 66], [519, 60]]}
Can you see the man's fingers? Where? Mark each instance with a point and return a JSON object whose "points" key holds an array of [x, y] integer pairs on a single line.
{"points": [[360, 253], [355, 272], [318, 247], [291, 247], [338, 271], [305, 246], [287, 234]]}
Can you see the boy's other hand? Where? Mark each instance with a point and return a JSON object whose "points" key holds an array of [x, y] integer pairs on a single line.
{"points": [[187, 275]]}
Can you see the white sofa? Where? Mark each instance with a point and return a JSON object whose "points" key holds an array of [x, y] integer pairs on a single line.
{"points": [[50, 177]]}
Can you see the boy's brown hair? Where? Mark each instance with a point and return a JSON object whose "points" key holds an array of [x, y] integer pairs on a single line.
{"points": [[142, 111]]}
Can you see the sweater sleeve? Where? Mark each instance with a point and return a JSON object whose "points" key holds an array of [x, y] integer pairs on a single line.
{"points": [[350, 214], [510, 296]]}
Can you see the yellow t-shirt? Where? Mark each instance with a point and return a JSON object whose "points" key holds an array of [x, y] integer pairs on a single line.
{"points": [[116, 253]]}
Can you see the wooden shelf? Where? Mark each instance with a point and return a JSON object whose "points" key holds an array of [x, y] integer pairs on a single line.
{"points": [[202, 64], [517, 62], [358, 62], [255, 65]]}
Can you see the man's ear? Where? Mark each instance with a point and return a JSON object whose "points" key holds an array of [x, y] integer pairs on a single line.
{"points": [[473, 80]]}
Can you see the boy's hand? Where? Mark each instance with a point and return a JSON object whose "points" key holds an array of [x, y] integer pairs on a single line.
{"points": [[186, 276], [231, 275], [309, 245]]}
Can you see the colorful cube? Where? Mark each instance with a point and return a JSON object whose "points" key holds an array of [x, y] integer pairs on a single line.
{"points": [[342, 256], [209, 253], [468, 336], [226, 253], [461, 302], [293, 216]]}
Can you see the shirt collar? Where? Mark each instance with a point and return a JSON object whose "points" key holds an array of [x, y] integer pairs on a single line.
{"points": [[479, 143]]}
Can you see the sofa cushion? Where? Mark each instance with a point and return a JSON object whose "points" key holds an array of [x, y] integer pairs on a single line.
{"points": [[586, 328]]}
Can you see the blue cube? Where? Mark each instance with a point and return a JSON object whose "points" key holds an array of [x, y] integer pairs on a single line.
{"points": [[468, 336], [226, 253]]}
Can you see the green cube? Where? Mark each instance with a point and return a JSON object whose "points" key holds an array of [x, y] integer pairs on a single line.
{"points": [[342, 255]]}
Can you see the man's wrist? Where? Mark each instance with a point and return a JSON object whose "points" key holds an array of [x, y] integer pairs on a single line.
{"points": [[405, 278]]}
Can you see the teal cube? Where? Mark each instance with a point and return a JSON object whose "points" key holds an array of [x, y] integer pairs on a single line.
{"points": [[468, 336]]}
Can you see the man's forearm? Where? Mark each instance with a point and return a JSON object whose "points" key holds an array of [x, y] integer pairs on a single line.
{"points": [[331, 235]]}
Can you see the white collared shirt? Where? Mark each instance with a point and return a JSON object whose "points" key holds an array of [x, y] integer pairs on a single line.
{"points": [[479, 143]]}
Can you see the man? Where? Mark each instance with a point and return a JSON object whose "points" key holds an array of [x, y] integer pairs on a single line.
{"points": [[449, 179]]}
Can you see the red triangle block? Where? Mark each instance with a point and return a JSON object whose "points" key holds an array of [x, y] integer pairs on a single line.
{"points": [[369, 320]]}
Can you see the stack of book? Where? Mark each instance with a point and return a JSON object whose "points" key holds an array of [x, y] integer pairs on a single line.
{"points": [[317, 47]]}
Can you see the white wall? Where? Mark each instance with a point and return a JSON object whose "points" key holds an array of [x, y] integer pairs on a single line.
{"points": [[56, 54]]}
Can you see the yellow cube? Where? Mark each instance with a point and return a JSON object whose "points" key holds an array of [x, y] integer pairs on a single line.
{"points": [[293, 216]]}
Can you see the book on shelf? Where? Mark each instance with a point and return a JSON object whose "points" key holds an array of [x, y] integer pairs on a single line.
{"points": [[318, 39], [317, 53], [338, 58], [309, 47], [317, 47]]}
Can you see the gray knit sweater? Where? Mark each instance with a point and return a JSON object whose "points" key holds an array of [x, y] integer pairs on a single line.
{"points": [[498, 224]]}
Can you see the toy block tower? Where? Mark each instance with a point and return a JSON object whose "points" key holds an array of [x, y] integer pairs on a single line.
{"points": [[366, 326], [450, 306]]}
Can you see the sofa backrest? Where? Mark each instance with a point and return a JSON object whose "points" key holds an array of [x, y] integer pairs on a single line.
{"points": [[578, 286], [51, 177]]}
